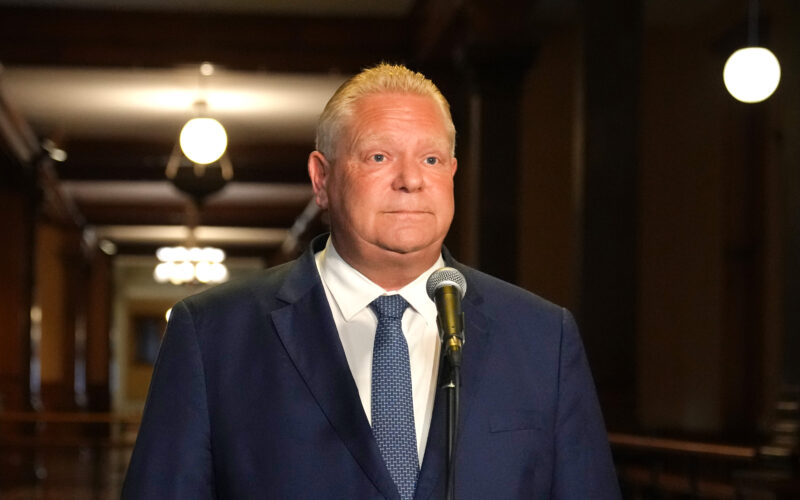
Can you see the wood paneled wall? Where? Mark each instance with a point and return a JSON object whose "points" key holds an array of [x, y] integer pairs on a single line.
{"points": [[16, 223]]}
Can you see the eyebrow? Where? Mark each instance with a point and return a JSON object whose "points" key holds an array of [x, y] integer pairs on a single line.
{"points": [[366, 141]]}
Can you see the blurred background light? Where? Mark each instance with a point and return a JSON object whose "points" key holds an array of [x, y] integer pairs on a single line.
{"points": [[752, 74]]}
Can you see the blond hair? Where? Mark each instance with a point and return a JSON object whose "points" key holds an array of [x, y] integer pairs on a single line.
{"points": [[383, 78]]}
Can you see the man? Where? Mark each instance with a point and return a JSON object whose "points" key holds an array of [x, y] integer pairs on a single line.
{"points": [[284, 386]]}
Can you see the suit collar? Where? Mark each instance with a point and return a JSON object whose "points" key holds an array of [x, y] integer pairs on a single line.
{"points": [[303, 276], [308, 333]]}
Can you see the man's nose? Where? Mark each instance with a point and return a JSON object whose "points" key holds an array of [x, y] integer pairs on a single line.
{"points": [[409, 176]]}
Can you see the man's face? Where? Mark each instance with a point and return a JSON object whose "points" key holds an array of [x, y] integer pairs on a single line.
{"points": [[390, 187]]}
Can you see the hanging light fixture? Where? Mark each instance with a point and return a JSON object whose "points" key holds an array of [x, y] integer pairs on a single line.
{"points": [[190, 264], [752, 73], [181, 265], [203, 140]]}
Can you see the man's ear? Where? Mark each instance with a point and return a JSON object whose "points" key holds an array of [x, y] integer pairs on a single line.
{"points": [[318, 171]]}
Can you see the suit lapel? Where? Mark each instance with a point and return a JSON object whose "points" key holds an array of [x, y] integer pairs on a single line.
{"points": [[476, 347], [308, 333]]}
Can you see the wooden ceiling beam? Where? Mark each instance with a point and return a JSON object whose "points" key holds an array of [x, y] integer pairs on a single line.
{"points": [[116, 38], [436, 22], [261, 251], [263, 214], [101, 159], [454, 30]]}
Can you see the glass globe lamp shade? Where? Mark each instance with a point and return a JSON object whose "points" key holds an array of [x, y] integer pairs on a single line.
{"points": [[752, 74], [203, 140], [162, 272], [183, 273], [211, 272]]}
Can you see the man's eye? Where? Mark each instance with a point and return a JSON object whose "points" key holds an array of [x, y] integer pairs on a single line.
{"points": [[431, 160], [378, 158]]}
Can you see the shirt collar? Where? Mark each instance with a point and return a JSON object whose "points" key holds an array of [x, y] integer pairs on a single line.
{"points": [[352, 291]]}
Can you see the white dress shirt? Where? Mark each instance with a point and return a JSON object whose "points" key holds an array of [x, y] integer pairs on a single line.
{"points": [[349, 294]]}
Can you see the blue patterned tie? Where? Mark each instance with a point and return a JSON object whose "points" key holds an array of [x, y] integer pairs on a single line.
{"points": [[392, 404]]}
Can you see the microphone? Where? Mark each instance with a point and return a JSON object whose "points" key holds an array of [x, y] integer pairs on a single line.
{"points": [[446, 287]]}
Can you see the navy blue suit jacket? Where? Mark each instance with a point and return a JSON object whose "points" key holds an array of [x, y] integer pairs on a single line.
{"points": [[252, 397]]}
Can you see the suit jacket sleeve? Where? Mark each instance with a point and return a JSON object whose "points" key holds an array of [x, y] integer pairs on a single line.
{"points": [[583, 465], [172, 456]]}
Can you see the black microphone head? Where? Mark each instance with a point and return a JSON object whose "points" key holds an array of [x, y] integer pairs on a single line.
{"points": [[446, 276]]}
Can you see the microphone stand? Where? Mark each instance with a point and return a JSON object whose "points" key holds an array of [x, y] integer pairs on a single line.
{"points": [[452, 344], [452, 384], [450, 322]]}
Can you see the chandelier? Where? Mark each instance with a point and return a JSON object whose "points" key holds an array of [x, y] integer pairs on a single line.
{"points": [[181, 265]]}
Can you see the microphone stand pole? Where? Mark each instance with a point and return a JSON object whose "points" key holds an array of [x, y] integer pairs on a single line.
{"points": [[452, 384], [451, 346]]}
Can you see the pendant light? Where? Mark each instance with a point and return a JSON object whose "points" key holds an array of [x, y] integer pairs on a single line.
{"points": [[752, 73]]}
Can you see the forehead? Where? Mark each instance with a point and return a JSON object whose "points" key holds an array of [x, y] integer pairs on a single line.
{"points": [[386, 114], [395, 100]]}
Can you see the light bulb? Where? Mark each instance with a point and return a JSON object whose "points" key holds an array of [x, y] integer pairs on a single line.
{"points": [[183, 273], [211, 272], [203, 140], [219, 272], [162, 272], [195, 254], [752, 74], [212, 254]]}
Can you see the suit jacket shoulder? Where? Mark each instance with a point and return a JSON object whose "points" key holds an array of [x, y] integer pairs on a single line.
{"points": [[499, 294]]}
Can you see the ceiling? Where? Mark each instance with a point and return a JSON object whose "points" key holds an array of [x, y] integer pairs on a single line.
{"points": [[115, 103], [111, 82], [356, 8], [119, 127]]}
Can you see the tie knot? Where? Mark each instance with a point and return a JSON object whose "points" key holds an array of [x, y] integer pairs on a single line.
{"points": [[389, 306]]}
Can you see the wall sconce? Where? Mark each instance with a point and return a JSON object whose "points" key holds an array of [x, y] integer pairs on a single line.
{"points": [[752, 74]]}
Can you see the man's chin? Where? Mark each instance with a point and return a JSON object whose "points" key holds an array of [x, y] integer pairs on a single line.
{"points": [[411, 246]]}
